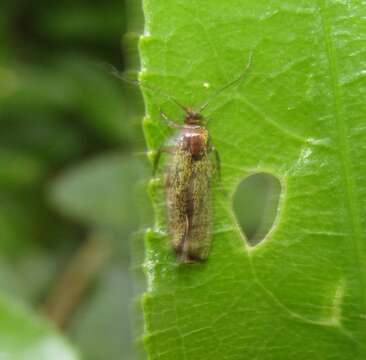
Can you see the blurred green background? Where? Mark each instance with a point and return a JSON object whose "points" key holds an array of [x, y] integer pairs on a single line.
{"points": [[71, 164]]}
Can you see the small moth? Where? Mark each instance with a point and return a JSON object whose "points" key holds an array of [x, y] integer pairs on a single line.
{"points": [[188, 183], [188, 188]]}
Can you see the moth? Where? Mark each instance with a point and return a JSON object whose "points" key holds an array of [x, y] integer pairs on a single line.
{"points": [[189, 177]]}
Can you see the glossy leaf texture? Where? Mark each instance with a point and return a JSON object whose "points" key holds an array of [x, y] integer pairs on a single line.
{"points": [[24, 336], [298, 114]]}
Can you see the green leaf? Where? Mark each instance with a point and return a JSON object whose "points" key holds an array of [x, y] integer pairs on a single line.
{"points": [[100, 191], [298, 114], [23, 336]]}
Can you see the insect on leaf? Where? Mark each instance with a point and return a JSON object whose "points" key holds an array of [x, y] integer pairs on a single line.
{"points": [[298, 115]]}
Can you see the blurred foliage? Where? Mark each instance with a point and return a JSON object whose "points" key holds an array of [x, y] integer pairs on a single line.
{"points": [[71, 154], [24, 336]]}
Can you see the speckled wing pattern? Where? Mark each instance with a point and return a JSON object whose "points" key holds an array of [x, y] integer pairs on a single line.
{"points": [[188, 191]]}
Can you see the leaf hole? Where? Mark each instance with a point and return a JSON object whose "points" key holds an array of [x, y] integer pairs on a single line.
{"points": [[255, 204]]}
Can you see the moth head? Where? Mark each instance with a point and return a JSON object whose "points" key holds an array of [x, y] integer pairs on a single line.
{"points": [[193, 117]]}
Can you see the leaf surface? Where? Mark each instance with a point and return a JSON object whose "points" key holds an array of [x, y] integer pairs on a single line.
{"points": [[298, 114]]}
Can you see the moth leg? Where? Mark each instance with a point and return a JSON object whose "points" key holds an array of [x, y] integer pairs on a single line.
{"points": [[217, 167], [162, 149], [169, 122], [217, 162]]}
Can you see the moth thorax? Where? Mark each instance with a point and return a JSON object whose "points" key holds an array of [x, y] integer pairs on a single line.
{"points": [[195, 143]]}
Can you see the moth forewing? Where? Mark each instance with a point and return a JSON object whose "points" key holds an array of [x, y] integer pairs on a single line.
{"points": [[188, 194]]}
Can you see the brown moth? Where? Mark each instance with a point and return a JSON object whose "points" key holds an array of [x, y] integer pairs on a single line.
{"points": [[188, 189], [188, 182]]}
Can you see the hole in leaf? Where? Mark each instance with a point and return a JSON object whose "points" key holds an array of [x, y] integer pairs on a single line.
{"points": [[255, 205]]}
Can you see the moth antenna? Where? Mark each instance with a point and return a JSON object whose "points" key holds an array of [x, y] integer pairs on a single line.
{"points": [[113, 71], [229, 84]]}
